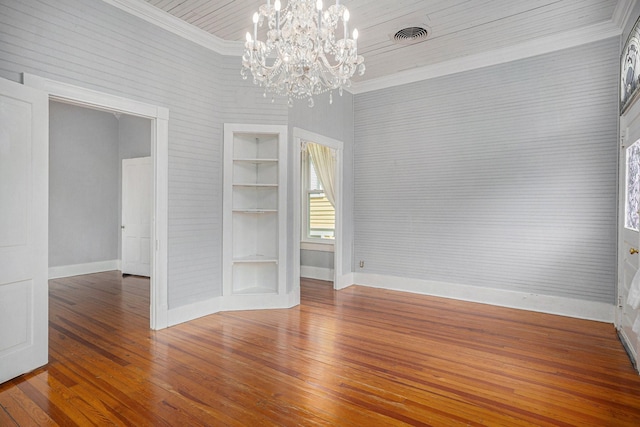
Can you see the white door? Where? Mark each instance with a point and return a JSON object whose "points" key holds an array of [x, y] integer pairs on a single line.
{"points": [[24, 180], [629, 224], [136, 216]]}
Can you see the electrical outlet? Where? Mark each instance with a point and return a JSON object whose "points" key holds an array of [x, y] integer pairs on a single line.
{"points": [[361, 264]]}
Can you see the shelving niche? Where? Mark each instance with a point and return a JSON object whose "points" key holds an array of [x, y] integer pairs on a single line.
{"points": [[254, 204]]}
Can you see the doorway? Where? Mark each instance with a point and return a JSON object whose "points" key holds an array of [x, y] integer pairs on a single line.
{"points": [[159, 116], [88, 190], [300, 138]]}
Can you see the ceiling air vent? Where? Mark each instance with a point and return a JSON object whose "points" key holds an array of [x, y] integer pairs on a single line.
{"points": [[411, 35]]}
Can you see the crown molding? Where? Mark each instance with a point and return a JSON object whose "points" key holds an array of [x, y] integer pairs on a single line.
{"points": [[569, 39], [524, 50], [622, 13], [155, 16]]}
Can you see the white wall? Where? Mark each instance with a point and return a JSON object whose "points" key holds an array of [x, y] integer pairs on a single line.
{"points": [[498, 178]]}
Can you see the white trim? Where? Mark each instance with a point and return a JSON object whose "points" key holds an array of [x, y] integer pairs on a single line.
{"points": [[344, 281], [192, 311], [215, 305], [622, 13], [159, 152], [298, 136], [317, 246], [87, 268], [528, 49], [563, 306], [318, 273], [177, 26], [629, 347]]}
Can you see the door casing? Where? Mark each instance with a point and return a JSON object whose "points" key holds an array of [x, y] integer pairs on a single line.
{"points": [[76, 95], [300, 135]]}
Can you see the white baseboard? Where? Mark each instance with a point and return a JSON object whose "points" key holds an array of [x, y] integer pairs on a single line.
{"points": [[88, 268], [193, 311], [563, 306], [230, 303], [344, 281], [318, 273], [628, 346]]}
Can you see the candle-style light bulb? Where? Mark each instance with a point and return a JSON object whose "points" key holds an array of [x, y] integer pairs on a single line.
{"points": [[355, 41], [248, 37], [345, 18], [255, 25], [276, 6]]}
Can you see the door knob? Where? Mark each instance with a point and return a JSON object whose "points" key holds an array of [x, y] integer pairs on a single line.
{"points": [[122, 226], [633, 251]]}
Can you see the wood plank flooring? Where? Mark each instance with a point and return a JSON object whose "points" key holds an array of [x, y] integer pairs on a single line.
{"points": [[357, 357]]}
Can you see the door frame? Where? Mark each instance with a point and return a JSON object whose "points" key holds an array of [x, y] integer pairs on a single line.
{"points": [[76, 95], [300, 135]]}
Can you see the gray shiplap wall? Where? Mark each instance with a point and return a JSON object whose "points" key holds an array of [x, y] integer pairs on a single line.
{"points": [[94, 45], [502, 177], [319, 259]]}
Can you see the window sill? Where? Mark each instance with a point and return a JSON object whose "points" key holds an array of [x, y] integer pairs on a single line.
{"points": [[317, 246]]}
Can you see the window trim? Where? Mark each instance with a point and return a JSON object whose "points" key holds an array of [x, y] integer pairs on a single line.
{"points": [[304, 222]]}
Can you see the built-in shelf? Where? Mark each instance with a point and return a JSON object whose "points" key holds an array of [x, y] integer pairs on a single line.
{"points": [[254, 206]]}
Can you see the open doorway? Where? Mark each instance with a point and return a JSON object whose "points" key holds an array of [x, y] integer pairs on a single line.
{"points": [[317, 241], [158, 116], [88, 189]]}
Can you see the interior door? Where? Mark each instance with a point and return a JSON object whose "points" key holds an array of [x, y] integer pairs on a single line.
{"points": [[629, 224], [24, 180], [136, 216]]}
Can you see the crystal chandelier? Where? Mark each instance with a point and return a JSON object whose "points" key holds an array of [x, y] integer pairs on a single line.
{"points": [[303, 54]]}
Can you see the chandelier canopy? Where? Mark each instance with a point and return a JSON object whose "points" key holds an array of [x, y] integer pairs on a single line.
{"points": [[303, 53]]}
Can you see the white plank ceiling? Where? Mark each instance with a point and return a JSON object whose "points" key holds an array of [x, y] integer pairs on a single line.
{"points": [[457, 28]]}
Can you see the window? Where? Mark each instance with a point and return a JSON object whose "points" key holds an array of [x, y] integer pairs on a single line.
{"points": [[318, 214]]}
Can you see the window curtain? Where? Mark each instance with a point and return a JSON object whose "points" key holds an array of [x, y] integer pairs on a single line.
{"points": [[324, 161]]}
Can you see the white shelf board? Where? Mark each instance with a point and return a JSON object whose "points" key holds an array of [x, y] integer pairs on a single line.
{"points": [[255, 290], [255, 160], [255, 211], [255, 259], [255, 185]]}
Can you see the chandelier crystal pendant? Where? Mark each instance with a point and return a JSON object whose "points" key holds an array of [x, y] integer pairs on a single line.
{"points": [[304, 53]]}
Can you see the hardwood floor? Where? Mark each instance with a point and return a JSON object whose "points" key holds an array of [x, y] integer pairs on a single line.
{"points": [[357, 357]]}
